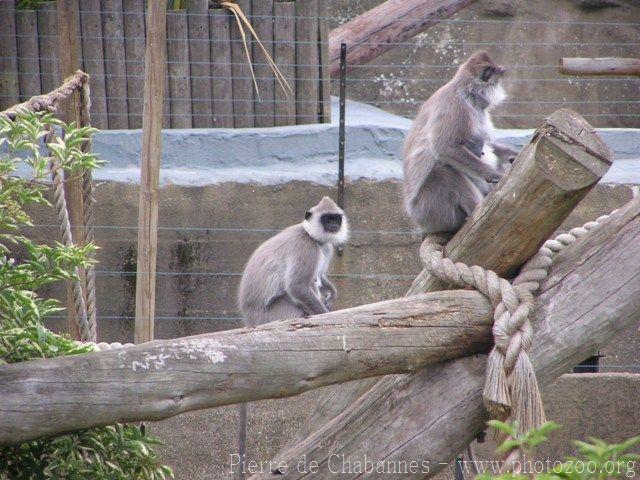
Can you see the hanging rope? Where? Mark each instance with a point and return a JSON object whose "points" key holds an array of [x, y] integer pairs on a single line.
{"points": [[86, 333], [511, 389]]}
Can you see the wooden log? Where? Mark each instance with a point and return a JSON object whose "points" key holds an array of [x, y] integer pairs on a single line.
{"points": [[243, 93], [69, 51], [284, 51], [178, 69], [154, 74], [200, 57], [307, 75], [564, 160], [324, 106], [591, 296], [28, 56], [134, 45], [271, 361], [221, 74], [114, 66], [378, 30], [48, 46], [599, 66], [262, 20], [93, 60], [9, 82]]}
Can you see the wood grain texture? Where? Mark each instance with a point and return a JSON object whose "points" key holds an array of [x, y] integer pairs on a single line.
{"points": [[164, 378], [114, 65], [591, 296], [307, 75], [154, 74], [243, 94], [262, 20], [48, 46], [28, 63], [9, 82], [324, 105], [377, 30], [200, 57], [134, 45], [93, 60], [599, 66], [562, 163], [221, 74], [178, 69], [284, 54]]}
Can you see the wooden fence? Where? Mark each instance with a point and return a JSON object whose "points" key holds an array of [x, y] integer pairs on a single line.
{"points": [[209, 82]]}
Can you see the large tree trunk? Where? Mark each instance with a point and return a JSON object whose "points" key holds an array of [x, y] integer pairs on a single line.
{"points": [[592, 294], [562, 163], [383, 27]]}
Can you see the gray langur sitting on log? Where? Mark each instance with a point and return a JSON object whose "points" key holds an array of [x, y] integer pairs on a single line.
{"points": [[286, 277], [449, 158]]}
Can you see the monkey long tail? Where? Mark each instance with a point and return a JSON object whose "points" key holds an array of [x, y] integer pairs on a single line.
{"points": [[242, 437]]}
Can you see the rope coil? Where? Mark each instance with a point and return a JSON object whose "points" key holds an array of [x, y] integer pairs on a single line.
{"points": [[511, 390]]}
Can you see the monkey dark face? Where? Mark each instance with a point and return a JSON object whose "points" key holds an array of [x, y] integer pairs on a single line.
{"points": [[481, 66], [331, 222]]}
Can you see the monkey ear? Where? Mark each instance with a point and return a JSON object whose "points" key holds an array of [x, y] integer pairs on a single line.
{"points": [[307, 215]]}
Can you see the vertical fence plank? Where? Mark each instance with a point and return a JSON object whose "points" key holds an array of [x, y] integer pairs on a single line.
{"points": [[154, 74], [134, 35], [28, 56], [262, 20], [9, 87], [242, 82], [221, 84], [306, 61], [48, 46], [93, 59], [200, 58], [324, 106], [178, 68], [115, 71], [284, 51]]}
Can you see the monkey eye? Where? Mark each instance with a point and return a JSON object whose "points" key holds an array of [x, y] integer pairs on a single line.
{"points": [[486, 73], [307, 215]]}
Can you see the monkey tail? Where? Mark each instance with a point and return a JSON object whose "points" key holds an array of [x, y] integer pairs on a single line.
{"points": [[242, 438]]}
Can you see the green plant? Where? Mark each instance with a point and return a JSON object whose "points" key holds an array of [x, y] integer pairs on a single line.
{"points": [[29, 4], [116, 452], [597, 460]]}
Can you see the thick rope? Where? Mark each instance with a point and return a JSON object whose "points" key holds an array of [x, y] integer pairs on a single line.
{"points": [[86, 334], [511, 390], [87, 204]]}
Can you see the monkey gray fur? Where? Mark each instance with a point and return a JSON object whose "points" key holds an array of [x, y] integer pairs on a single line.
{"points": [[448, 152], [286, 276]]}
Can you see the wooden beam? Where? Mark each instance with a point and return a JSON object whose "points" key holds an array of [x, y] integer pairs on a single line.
{"points": [[599, 66], [591, 296], [380, 29], [563, 161], [154, 70], [164, 378]]}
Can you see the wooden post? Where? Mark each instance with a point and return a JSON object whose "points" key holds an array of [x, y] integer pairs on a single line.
{"points": [[378, 30], [48, 46], [9, 86], [221, 84], [69, 49], [200, 58], [563, 162], [178, 69], [28, 56], [93, 60], [242, 83], [155, 61], [324, 106], [262, 19], [599, 66], [307, 75], [284, 55], [115, 70], [134, 45]]}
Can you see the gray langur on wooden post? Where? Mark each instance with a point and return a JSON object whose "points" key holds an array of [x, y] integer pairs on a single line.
{"points": [[449, 157], [286, 277]]}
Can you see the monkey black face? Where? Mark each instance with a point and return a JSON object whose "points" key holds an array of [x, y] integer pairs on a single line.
{"points": [[491, 73], [331, 222]]}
